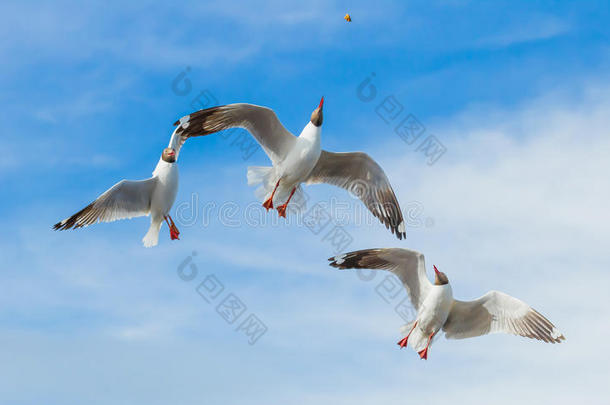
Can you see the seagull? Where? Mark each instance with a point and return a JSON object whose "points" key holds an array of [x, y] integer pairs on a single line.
{"points": [[128, 199], [494, 312], [296, 160]]}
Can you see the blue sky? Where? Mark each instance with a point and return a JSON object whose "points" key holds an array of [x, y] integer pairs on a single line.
{"points": [[517, 92]]}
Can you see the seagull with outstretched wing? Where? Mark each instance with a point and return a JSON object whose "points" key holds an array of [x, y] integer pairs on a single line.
{"points": [[494, 312], [296, 160], [128, 198]]}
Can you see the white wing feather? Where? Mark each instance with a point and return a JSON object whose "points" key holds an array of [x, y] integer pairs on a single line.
{"points": [[497, 312], [126, 199], [358, 173]]}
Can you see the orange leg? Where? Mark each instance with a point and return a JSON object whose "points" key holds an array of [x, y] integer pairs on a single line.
{"points": [[404, 341], [173, 230], [269, 203], [424, 353], [281, 210]]}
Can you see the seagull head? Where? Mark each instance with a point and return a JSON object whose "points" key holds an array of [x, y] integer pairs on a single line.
{"points": [[440, 278], [169, 155], [316, 115]]}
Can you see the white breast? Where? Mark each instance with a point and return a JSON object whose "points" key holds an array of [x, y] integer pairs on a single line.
{"points": [[303, 157], [167, 187], [435, 309]]}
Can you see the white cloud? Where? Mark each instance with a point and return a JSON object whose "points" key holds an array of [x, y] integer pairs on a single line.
{"points": [[536, 28], [192, 33], [519, 206]]}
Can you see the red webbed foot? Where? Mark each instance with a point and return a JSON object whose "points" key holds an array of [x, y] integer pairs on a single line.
{"points": [[173, 230], [403, 342], [281, 210], [268, 204], [424, 353]]}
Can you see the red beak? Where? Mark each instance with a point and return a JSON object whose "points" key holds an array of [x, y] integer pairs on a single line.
{"points": [[321, 103], [436, 270]]}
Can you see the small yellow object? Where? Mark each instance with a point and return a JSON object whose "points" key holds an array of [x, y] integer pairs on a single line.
{"points": [[347, 18]]}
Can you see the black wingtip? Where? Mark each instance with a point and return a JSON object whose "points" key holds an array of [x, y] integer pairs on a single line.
{"points": [[396, 229], [72, 222]]}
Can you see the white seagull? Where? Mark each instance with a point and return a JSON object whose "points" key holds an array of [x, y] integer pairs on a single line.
{"points": [[494, 312], [297, 160], [128, 198]]}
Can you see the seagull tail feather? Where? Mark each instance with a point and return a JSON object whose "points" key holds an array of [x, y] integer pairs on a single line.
{"points": [[262, 175], [152, 236], [259, 174], [406, 328]]}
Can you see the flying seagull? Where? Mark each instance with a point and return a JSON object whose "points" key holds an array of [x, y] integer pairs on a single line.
{"points": [[494, 312], [128, 198], [296, 160]]}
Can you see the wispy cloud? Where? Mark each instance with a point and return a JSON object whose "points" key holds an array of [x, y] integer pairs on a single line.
{"points": [[57, 32], [537, 28], [518, 203]]}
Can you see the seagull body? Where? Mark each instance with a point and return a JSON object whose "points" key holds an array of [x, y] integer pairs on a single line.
{"points": [[437, 310], [154, 196], [294, 169], [302, 158], [162, 200], [432, 315], [297, 160]]}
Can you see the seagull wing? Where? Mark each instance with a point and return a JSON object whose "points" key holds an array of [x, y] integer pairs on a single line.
{"points": [[261, 122], [496, 312], [176, 141], [126, 199], [358, 173], [408, 265]]}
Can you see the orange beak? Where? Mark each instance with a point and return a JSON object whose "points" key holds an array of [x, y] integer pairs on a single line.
{"points": [[321, 103]]}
